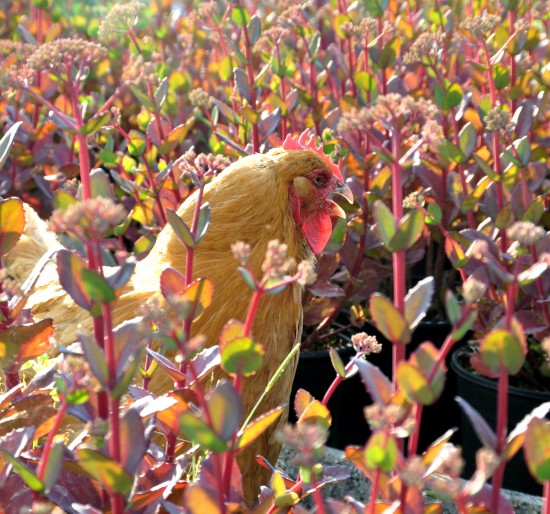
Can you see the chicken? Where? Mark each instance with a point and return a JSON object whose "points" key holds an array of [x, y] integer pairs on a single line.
{"points": [[285, 194]]}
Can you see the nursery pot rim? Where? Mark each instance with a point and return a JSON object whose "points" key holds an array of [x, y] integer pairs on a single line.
{"points": [[316, 354], [492, 384]]}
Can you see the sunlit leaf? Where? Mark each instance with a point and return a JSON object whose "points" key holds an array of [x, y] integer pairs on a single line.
{"points": [[385, 222], [132, 441], [95, 358], [7, 141], [20, 343], [378, 385], [337, 362], [409, 230], [107, 472], [69, 269], [467, 138], [172, 282], [258, 426], [199, 501], [96, 288], [501, 350], [418, 300], [12, 223], [485, 433], [388, 319], [95, 123], [173, 372], [203, 222], [240, 16], [53, 466], [537, 449]]}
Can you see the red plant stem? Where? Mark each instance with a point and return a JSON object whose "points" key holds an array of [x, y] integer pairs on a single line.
{"points": [[318, 497], [511, 22], [250, 74], [252, 310], [117, 501], [374, 492], [398, 257], [155, 114], [49, 440], [546, 498]]}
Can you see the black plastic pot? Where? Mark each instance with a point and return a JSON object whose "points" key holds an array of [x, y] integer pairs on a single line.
{"points": [[315, 374], [481, 393]]}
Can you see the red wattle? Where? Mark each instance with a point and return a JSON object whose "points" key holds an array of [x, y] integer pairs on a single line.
{"points": [[317, 232]]}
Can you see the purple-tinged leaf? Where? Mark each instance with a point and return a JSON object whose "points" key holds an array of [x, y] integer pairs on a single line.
{"points": [[19, 343], [122, 275], [475, 286], [96, 288], [325, 289], [241, 81], [248, 278], [331, 475], [132, 441], [524, 117], [226, 410], [172, 371], [378, 385], [143, 98], [485, 496], [409, 230], [85, 509], [95, 358], [254, 28], [14, 442], [7, 141], [12, 223], [148, 405], [161, 92], [532, 273], [69, 269], [269, 122], [203, 363], [180, 228], [485, 433], [388, 319], [418, 300], [172, 282]]}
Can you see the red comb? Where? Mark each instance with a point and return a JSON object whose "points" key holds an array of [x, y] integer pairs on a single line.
{"points": [[307, 140]]}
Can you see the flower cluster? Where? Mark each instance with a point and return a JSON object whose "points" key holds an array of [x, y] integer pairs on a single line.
{"points": [[426, 46], [365, 344], [277, 265], [498, 120], [60, 52], [526, 233], [480, 26], [241, 252], [139, 70], [200, 167], [200, 98], [90, 220], [119, 19]]}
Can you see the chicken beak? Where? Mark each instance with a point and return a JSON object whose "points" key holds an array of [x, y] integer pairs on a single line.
{"points": [[343, 190]]}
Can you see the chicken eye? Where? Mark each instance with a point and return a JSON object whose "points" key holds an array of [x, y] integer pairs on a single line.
{"points": [[320, 180]]}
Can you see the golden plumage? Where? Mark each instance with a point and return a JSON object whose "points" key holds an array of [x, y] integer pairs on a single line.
{"points": [[251, 202]]}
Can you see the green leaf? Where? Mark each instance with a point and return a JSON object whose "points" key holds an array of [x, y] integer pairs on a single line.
{"points": [[505, 217], [240, 16], [454, 312], [28, 476], [381, 452], [364, 81], [12, 223], [452, 152], [389, 53], [337, 23], [180, 228], [7, 141], [491, 174], [226, 410], [101, 184], [467, 138], [96, 287], [385, 223], [501, 76], [248, 278], [107, 472], [409, 231], [537, 449], [241, 81], [204, 222], [53, 466], [143, 98], [241, 356], [535, 210], [337, 362], [198, 431], [523, 148], [435, 215], [453, 96], [388, 319], [137, 143], [502, 351], [95, 123], [414, 384], [175, 137], [375, 8]]}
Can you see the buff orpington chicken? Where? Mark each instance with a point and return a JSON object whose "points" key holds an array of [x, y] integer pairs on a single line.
{"points": [[285, 194]]}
